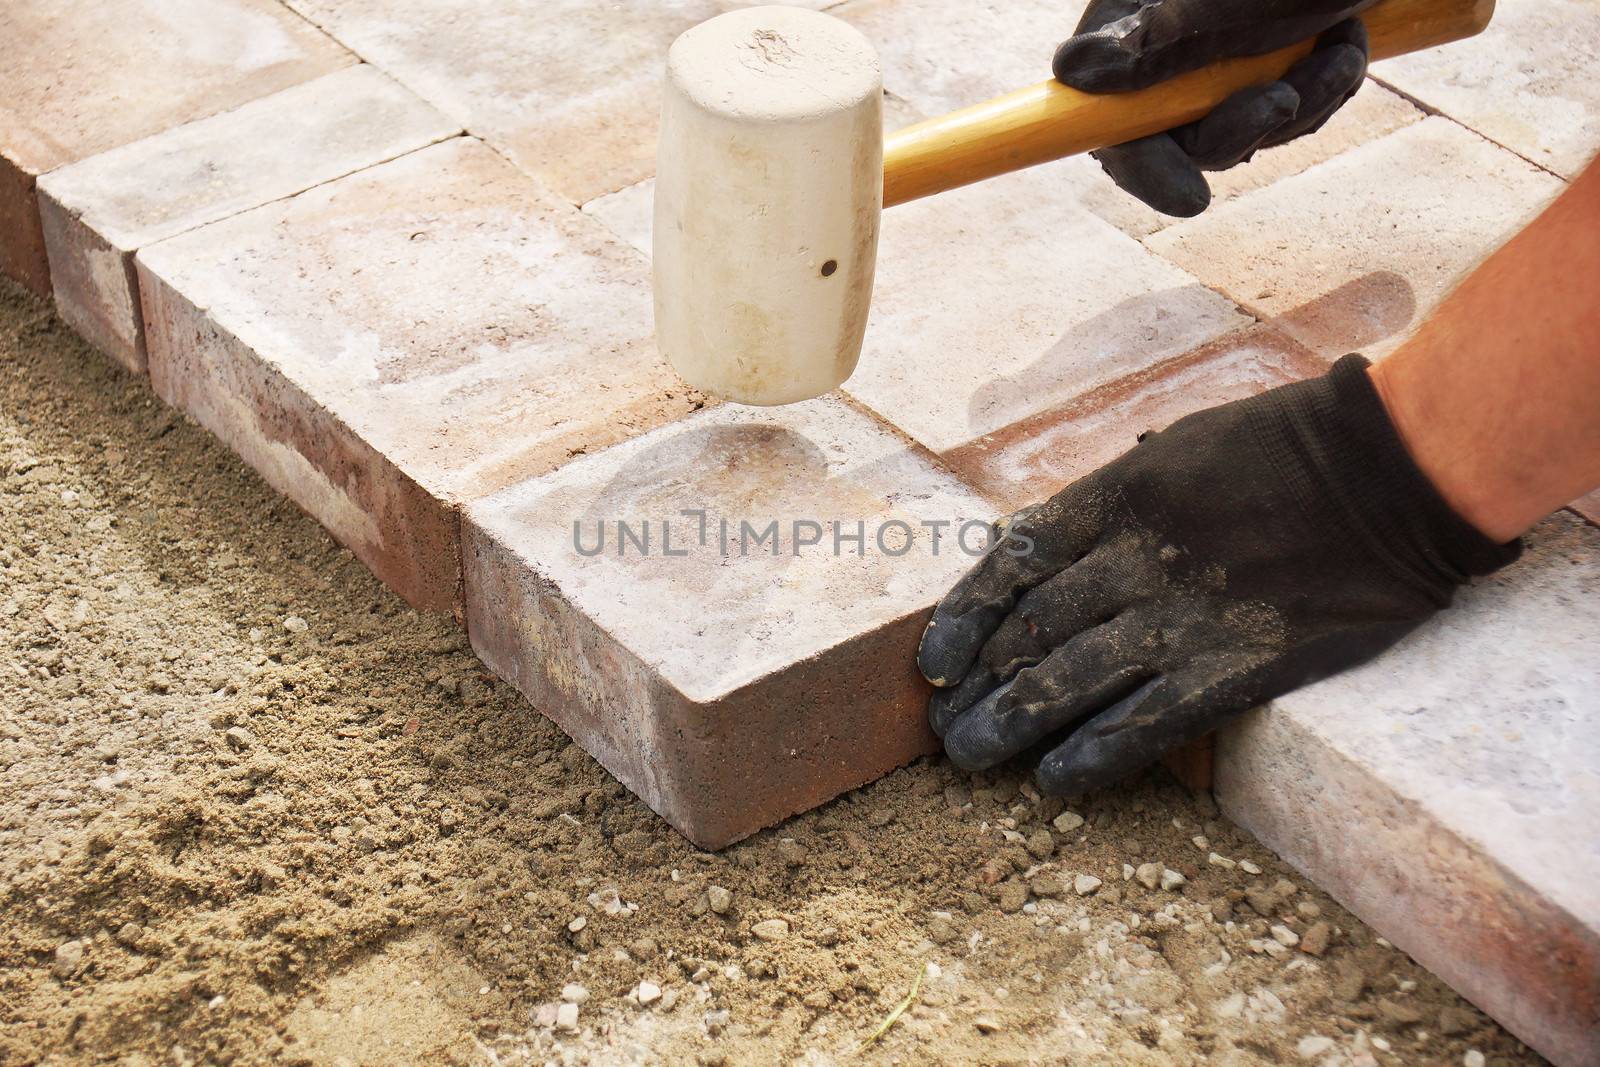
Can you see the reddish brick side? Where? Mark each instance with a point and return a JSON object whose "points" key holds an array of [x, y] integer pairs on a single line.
{"points": [[22, 255], [406, 536]]}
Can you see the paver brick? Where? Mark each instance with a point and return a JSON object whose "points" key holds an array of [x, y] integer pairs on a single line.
{"points": [[1527, 82], [98, 212], [1001, 300], [1353, 252], [727, 688], [1588, 506], [387, 346], [569, 90], [84, 76], [1447, 792], [1030, 460]]}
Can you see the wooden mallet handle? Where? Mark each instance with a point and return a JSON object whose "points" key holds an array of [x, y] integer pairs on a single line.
{"points": [[1048, 121]]}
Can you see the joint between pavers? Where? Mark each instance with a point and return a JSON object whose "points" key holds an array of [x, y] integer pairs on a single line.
{"points": [[1433, 112]]}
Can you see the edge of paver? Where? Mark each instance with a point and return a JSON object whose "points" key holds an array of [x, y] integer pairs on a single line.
{"points": [[717, 769], [1418, 883], [404, 534]]}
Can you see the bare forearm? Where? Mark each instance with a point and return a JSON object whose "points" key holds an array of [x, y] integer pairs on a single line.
{"points": [[1497, 396]]}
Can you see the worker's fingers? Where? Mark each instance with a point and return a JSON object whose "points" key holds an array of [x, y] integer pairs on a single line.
{"points": [[1102, 13], [946, 705], [1325, 79], [1030, 548], [1055, 611], [1088, 673], [1161, 40], [1136, 730], [1156, 170], [1238, 126]]}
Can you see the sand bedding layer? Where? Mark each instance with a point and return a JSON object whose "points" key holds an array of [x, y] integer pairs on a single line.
{"points": [[256, 810]]}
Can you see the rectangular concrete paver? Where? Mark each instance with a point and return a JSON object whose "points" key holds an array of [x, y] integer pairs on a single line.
{"points": [[1527, 82], [569, 90], [390, 345], [1033, 459], [83, 76], [1446, 792], [1352, 253], [730, 679], [1001, 300], [98, 212]]}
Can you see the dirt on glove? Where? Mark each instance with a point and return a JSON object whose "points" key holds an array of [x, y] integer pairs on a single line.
{"points": [[255, 810]]}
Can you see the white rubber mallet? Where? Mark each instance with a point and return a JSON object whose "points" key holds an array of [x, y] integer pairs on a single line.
{"points": [[772, 171]]}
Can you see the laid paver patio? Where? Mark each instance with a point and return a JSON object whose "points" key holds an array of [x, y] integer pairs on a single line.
{"points": [[443, 351], [85, 76]]}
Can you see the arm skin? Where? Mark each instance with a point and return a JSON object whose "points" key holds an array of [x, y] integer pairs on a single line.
{"points": [[1497, 396]]}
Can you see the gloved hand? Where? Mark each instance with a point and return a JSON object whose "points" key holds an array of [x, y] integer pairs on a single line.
{"points": [[1243, 552], [1130, 44]]}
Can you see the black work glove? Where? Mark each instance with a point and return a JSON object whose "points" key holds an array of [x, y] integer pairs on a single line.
{"points": [[1131, 44], [1246, 550]]}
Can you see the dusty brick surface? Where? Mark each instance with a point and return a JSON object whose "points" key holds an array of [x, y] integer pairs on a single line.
{"points": [[1527, 82], [1447, 792], [399, 341], [1032, 459], [1589, 506], [1352, 253], [84, 76], [98, 212], [568, 89], [727, 690], [1004, 299]]}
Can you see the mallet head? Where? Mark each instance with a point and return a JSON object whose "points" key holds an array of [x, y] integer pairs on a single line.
{"points": [[769, 185]]}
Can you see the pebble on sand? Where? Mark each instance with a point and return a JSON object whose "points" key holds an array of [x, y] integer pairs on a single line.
{"points": [[1084, 884], [1249, 868], [574, 993], [1067, 821], [1316, 939], [771, 929], [1313, 1045], [567, 1018], [295, 624], [1171, 880], [1149, 874], [1285, 936], [69, 957], [648, 992], [721, 899]]}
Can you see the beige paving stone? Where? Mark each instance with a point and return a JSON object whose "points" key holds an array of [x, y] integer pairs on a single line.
{"points": [[399, 341], [569, 90], [98, 212], [1352, 253], [941, 57], [83, 76], [1032, 459], [729, 687], [1448, 792], [1527, 82], [1001, 300]]}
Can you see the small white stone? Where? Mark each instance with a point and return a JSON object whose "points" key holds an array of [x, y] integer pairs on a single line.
{"points": [[567, 1018], [1201, 842], [1084, 884], [574, 993], [1171, 880], [1285, 936], [577, 924], [648, 992], [1249, 868], [771, 929], [1127, 871], [1313, 1045], [1067, 821], [1220, 861], [295, 624], [1473, 1058], [544, 1015], [1381, 1044], [1149, 875], [721, 899]]}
